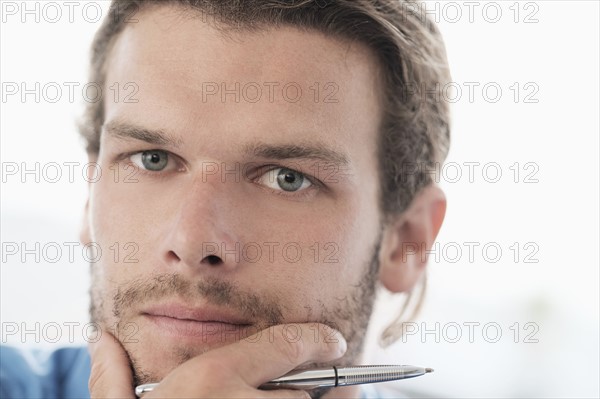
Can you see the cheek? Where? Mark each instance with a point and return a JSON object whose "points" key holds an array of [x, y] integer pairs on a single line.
{"points": [[332, 251], [122, 228], [124, 212]]}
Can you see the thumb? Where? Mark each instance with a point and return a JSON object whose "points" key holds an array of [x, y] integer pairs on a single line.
{"points": [[110, 375]]}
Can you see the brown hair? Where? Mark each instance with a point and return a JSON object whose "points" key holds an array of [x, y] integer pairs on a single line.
{"points": [[415, 128]]}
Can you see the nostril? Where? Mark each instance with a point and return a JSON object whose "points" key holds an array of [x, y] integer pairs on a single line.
{"points": [[213, 259], [172, 256]]}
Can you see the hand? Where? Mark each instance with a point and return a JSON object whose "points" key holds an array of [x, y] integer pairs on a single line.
{"points": [[234, 370]]}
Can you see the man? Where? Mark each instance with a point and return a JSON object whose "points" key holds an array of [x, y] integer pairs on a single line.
{"points": [[263, 177]]}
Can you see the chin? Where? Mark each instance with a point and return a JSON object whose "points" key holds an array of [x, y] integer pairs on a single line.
{"points": [[153, 363], [153, 356]]}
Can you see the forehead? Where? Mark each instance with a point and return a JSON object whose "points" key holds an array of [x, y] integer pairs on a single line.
{"points": [[282, 82]]}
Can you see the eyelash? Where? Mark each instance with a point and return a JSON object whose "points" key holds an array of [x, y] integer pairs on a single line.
{"points": [[125, 157], [316, 184]]}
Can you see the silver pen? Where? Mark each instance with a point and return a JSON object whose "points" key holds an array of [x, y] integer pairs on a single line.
{"points": [[330, 377]]}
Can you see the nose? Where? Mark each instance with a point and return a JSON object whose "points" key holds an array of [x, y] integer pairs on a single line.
{"points": [[201, 233]]}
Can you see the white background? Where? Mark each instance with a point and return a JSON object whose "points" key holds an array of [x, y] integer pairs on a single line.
{"points": [[556, 137]]}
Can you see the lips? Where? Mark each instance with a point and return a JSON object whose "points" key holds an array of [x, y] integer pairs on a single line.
{"points": [[212, 324], [199, 314]]}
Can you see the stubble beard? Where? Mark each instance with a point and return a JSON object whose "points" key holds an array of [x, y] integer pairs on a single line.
{"points": [[350, 315]]}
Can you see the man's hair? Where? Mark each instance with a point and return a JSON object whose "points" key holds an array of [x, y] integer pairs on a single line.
{"points": [[414, 132]]}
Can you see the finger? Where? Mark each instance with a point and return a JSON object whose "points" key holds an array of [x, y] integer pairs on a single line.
{"points": [[285, 393], [278, 350], [110, 375], [162, 392]]}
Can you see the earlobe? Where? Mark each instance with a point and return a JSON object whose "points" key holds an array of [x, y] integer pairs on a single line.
{"points": [[406, 241]]}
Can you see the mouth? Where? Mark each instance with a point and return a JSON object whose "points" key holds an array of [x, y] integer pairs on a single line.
{"points": [[209, 324]]}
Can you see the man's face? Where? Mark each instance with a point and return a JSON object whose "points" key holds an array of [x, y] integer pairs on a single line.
{"points": [[238, 212]]}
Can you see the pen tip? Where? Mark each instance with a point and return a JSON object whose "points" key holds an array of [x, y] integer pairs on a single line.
{"points": [[429, 370]]}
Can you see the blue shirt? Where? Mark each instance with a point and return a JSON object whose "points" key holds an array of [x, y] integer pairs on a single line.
{"points": [[62, 373]]}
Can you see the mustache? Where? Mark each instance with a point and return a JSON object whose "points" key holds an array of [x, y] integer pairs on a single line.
{"points": [[214, 291]]}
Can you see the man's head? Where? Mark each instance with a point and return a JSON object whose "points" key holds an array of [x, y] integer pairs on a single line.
{"points": [[270, 171]]}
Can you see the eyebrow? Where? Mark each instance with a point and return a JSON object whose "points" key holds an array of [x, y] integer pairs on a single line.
{"points": [[317, 152], [127, 131], [314, 151]]}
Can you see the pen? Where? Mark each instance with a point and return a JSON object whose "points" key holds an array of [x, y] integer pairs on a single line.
{"points": [[331, 377]]}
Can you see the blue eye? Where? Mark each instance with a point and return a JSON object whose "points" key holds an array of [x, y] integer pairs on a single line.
{"points": [[285, 179], [289, 180], [153, 160]]}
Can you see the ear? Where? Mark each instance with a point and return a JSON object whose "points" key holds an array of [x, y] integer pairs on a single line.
{"points": [[84, 229], [406, 240]]}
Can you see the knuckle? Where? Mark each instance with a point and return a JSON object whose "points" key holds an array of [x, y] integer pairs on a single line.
{"points": [[293, 351], [304, 395], [294, 394], [97, 373], [211, 369]]}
